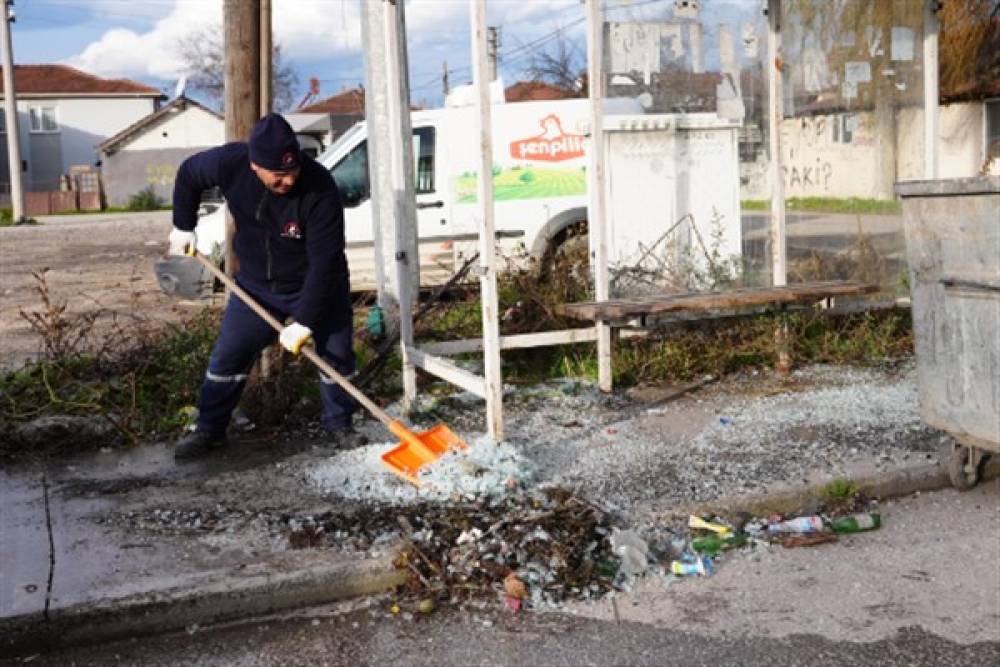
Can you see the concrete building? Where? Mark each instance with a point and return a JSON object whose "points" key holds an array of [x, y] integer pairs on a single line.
{"points": [[63, 114], [836, 154], [149, 151]]}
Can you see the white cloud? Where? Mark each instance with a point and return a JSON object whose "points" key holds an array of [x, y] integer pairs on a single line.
{"points": [[155, 53], [309, 31]]}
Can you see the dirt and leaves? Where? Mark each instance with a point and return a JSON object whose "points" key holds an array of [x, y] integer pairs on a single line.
{"points": [[547, 546]]}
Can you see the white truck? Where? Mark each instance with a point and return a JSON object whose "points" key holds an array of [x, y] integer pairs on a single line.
{"points": [[660, 169]]}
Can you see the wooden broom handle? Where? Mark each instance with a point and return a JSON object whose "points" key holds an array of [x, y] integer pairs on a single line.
{"points": [[308, 352]]}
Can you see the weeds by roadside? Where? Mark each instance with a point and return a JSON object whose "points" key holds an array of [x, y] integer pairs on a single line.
{"points": [[830, 205], [7, 218], [140, 379]]}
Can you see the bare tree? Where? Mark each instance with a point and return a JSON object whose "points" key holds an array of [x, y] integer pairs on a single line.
{"points": [[562, 64], [203, 61], [970, 45]]}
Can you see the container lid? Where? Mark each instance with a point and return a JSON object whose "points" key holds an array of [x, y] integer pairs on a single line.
{"points": [[977, 185]]}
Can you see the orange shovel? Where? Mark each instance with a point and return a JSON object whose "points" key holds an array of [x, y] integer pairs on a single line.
{"points": [[415, 450]]}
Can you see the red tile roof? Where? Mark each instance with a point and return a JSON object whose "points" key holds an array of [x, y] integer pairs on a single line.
{"points": [[350, 101], [54, 79], [529, 91]]}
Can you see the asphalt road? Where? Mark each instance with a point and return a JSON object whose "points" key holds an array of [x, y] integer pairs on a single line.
{"points": [[948, 615]]}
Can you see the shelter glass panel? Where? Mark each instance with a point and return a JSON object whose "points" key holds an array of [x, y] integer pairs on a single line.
{"points": [[853, 106], [686, 137]]}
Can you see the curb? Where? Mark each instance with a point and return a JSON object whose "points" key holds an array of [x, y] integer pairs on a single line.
{"points": [[892, 484], [177, 608], [267, 592]]}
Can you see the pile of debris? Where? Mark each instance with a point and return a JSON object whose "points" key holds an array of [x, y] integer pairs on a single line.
{"points": [[534, 549]]}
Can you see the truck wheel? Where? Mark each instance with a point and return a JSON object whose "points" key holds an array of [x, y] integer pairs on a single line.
{"points": [[568, 252], [963, 476]]}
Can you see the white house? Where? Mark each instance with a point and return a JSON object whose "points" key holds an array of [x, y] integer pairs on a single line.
{"points": [[63, 114], [149, 151]]}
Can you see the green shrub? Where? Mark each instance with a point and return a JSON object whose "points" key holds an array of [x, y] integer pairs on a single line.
{"points": [[145, 200]]}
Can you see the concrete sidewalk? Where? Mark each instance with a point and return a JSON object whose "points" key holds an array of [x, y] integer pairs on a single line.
{"points": [[69, 521], [142, 545]]}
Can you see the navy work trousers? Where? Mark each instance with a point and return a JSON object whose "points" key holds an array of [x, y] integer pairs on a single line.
{"points": [[244, 335]]}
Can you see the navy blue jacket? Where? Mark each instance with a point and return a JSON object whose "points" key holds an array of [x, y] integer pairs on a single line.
{"points": [[285, 243]]}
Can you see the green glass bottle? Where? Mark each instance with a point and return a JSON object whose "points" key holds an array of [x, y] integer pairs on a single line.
{"points": [[711, 545], [856, 523]]}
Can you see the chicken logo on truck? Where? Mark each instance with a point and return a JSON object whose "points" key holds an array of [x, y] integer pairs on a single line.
{"points": [[552, 145]]}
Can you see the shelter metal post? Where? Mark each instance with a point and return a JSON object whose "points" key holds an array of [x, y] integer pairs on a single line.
{"points": [[597, 204], [487, 237], [931, 99], [774, 114], [390, 165]]}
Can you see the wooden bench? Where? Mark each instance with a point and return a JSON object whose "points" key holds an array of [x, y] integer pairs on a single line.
{"points": [[617, 311], [656, 309]]}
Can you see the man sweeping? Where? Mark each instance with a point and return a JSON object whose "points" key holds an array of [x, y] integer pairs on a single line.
{"points": [[290, 245]]}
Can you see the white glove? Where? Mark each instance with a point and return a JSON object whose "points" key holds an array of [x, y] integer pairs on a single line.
{"points": [[181, 242], [294, 336]]}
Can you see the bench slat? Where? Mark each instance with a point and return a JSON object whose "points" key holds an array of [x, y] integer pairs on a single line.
{"points": [[615, 309]]}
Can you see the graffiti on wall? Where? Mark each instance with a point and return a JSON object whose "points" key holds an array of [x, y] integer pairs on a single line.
{"points": [[805, 176], [812, 149]]}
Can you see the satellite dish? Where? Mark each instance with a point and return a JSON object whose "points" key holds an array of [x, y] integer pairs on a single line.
{"points": [[179, 88]]}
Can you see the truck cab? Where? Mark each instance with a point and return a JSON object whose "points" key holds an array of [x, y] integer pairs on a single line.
{"points": [[540, 185]]}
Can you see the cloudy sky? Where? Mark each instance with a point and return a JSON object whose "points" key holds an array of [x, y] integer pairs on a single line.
{"points": [[140, 39]]}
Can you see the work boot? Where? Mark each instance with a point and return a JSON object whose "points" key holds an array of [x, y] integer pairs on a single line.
{"points": [[197, 444], [347, 438]]}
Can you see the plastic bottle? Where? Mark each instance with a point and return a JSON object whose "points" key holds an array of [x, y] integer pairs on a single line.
{"points": [[856, 523], [803, 524], [699, 523], [711, 545], [701, 566]]}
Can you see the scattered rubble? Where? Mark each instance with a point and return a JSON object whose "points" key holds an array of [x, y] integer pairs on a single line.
{"points": [[484, 469]]}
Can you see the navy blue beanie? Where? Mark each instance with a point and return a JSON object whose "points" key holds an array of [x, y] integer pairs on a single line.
{"points": [[273, 144]]}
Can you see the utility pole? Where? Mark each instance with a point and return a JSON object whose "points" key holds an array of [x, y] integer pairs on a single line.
{"points": [[10, 115], [444, 78], [492, 46], [242, 66], [266, 65], [241, 26]]}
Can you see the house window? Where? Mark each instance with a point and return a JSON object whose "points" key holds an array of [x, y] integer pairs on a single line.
{"points": [[843, 128], [43, 119], [992, 129]]}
